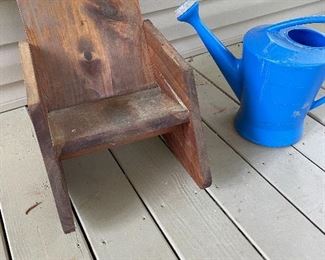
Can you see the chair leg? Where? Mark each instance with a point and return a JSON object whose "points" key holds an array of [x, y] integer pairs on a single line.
{"points": [[188, 145], [60, 193], [53, 167]]}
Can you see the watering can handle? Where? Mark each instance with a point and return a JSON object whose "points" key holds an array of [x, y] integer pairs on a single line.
{"points": [[300, 21], [318, 103], [297, 21]]}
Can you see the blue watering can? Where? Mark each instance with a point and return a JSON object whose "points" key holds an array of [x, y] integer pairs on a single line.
{"points": [[277, 79]]}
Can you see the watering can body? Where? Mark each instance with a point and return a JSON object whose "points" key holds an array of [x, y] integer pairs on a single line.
{"points": [[280, 79], [277, 79]]}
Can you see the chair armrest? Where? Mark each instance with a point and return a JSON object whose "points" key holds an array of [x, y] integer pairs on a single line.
{"points": [[176, 77], [170, 65]]}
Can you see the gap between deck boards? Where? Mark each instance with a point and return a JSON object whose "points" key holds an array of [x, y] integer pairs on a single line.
{"points": [[36, 233], [281, 227], [141, 161], [312, 120], [217, 111], [192, 193], [299, 224], [305, 226], [4, 246]]}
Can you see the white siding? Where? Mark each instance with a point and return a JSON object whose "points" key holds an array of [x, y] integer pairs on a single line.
{"points": [[12, 91], [228, 18]]}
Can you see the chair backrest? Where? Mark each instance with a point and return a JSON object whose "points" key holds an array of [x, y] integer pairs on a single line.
{"points": [[85, 50]]}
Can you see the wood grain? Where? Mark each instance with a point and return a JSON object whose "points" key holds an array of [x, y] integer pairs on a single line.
{"points": [[86, 50], [90, 86], [176, 78], [23, 179], [38, 114], [114, 121], [33, 93]]}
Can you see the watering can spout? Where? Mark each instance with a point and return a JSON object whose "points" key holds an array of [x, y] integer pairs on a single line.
{"points": [[227, 62]]}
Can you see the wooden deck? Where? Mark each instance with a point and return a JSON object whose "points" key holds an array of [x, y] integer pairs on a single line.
{"points": [[137, 202]]}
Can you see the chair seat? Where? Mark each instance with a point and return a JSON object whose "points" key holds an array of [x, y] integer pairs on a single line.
{"points": [[111, 121]]}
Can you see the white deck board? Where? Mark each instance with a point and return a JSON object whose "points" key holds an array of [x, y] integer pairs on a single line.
{"points": [[3, 249], [263, 202], [268, 219], [289, 171], [258, 209], [24, 182], [190, 219], [313, 143], [116, 223]]}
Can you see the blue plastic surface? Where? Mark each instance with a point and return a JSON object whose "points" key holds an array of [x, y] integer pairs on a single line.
{"points": [[277, 79]]}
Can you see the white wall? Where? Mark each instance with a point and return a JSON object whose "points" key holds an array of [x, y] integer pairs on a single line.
{"points": [[228, 18]]}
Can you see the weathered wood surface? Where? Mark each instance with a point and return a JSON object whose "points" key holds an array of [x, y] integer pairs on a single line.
{"points": [[37, 234], [296, 177], [314, 132], [3, 249], [34, 96], [161, 12], [115, 121], [38, 114], [176, 78], [78, 52], [194, 225], [86, 50], [117, 224]]}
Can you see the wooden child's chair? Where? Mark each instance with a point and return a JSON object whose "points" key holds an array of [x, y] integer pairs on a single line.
{"points": [[98, 76]]}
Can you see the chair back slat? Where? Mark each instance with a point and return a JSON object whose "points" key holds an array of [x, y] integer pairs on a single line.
{"points": [[87, 49]]}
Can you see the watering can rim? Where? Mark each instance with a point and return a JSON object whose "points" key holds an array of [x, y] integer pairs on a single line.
{"points": [[304, 55], [283, 29], [296, 21], [300, 45]]}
